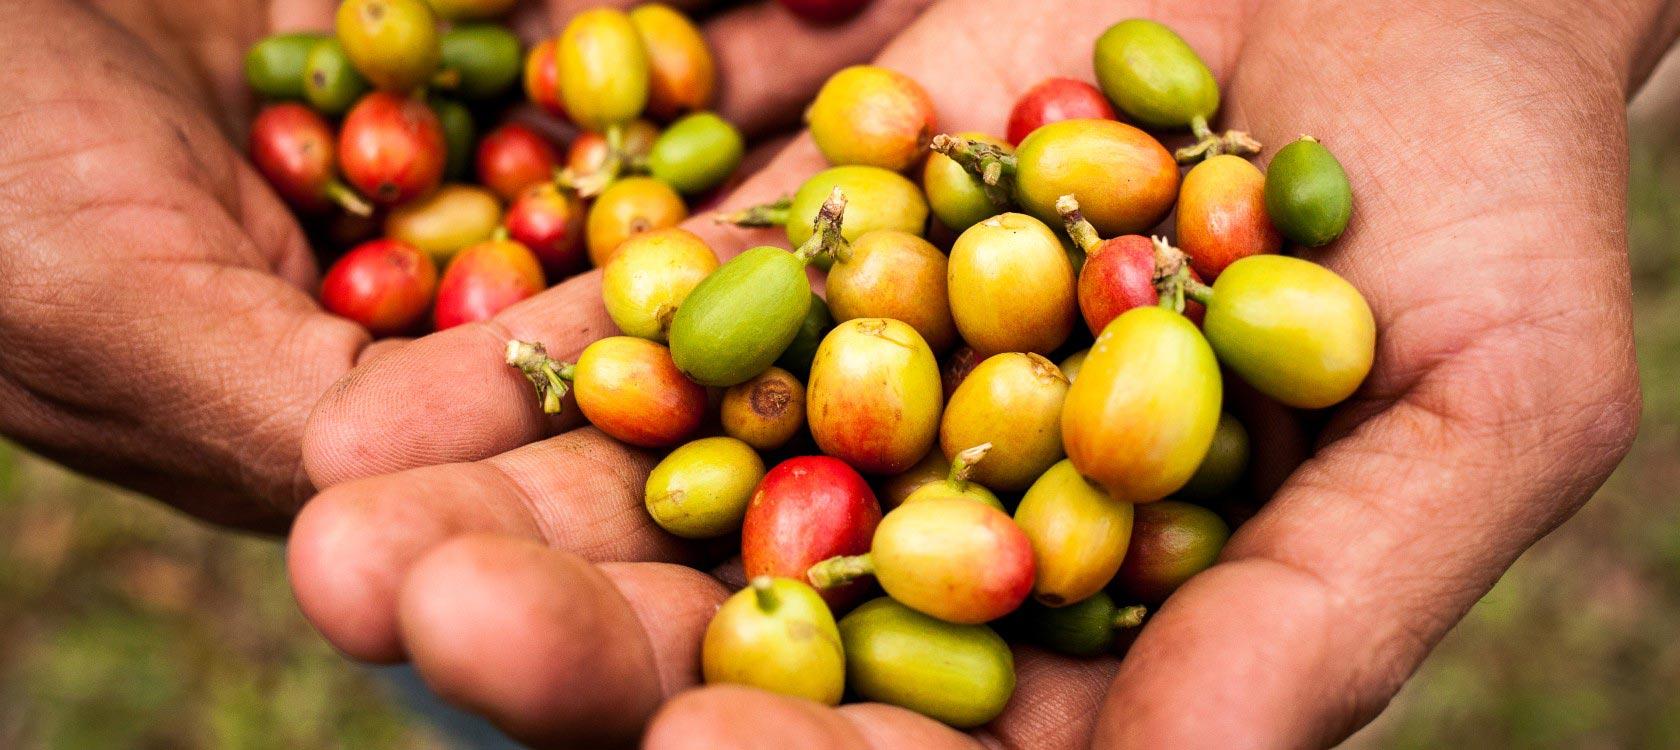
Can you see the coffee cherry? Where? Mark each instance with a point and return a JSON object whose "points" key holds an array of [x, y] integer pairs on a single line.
{"points": [[392, 148], [485, 279], [293, 149], [394, 43], [385, 285], [550, 222], [1055, 100], [512, 158]]}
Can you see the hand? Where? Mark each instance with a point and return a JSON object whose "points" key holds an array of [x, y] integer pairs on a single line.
{"points": [[155, 308], [1486, 150]]}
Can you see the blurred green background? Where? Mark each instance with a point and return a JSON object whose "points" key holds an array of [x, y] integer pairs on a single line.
{"points": [[126, 625]]}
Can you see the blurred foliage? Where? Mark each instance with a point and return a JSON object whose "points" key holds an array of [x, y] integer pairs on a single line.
{"points": [[126, 625]]}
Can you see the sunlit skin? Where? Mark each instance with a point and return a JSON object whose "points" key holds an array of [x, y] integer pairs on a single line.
{"points": [[872, 116], [512, 158], [1222, 215], [873, 396], [451, 218], [1014, 402], [485, 279], [809, 509], [1143, 411], [1475, 370]]}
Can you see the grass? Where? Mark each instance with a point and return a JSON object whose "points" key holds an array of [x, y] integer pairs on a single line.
{"points": [[125, 625]]}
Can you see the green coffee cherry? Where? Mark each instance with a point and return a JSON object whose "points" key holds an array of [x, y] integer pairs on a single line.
{"points": [[799, 354], [1224, 464], [1307, 193], [459, 135], [740, 319], [778, 635], [701, 489], [330, 82], [481, 61], [962, 675], [274, 66], [1086, 628], [1153, 75], [696, 153]]}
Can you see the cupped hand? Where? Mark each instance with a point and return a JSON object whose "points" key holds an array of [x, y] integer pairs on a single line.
{"points": [[156, 320], [1486, 148]]}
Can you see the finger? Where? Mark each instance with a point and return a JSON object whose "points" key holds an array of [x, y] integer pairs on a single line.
{"points": [[552, 649], [353, 545], [744, 718], [451, 397], [771, 62]]}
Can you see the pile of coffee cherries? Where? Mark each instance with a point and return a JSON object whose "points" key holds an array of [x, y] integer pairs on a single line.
{"points": [[923, 440], [406, 186], [1004, 417]]}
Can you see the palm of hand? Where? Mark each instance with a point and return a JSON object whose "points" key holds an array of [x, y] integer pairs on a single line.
{"points": [[527, 583]]}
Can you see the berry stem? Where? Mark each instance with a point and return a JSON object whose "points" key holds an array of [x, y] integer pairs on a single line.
{"points": [[993, 166], [766, 596], [826, 237], [551, 377], [1083, 234], [962, 465], [839, 571], [591, 184], [347, 198], [1210, 144], [774, 214], [1172, 272], [1198, 291], [1130, 617]]}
